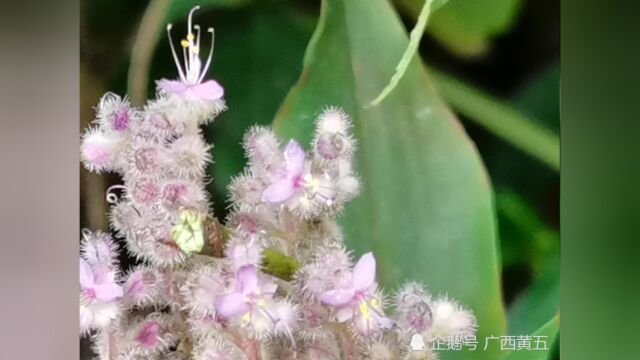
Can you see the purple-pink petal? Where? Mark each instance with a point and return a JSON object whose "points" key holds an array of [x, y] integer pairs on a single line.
{"points": [[209, 90], [268, 289], [86, 274], [171, 86], [294, 157], [231, 305], [384, 322], [108, 292], [345, 313], [364, 272], [247, 279], [148, 334], [337, 297], [279, 191]]}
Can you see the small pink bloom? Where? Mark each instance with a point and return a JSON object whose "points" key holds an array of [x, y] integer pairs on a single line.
{"points": [[284, 188], [146, 191], [121, 119], [149, 334], [190, 85], [249, 293], [358, 301], [99, 283]]}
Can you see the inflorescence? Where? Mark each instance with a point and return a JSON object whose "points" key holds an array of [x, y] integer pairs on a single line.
{"points": [[201, 290]]}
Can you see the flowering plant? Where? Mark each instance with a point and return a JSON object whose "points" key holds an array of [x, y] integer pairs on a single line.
{"points": [[274, 279]]}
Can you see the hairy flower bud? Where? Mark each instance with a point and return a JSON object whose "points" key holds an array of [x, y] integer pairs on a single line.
{"points": [[99, 152], [142, 286], [262, 149], [450, 320]]}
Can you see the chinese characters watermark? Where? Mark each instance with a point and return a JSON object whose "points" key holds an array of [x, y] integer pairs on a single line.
{"points": [[506, 343]]}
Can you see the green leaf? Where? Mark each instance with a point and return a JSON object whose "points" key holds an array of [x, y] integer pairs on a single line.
{"points": [[414, 6], [466, 27], [549, 331], [541, 98], [523, 235], [501, 119], [409, 53], [426, 208], [539, 302]]}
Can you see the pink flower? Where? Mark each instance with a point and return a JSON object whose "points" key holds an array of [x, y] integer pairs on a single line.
{"points": [[358, 301], [149, 334], [250, 294], [99, 283], [209, 90], [121, 119], [284, 188], [190, 86]]}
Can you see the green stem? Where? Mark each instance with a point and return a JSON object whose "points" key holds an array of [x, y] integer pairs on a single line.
{"points": [[502, 120], [409, 53], [143, 48]]}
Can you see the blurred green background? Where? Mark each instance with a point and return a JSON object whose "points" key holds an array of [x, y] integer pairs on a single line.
{"points": [[495, 63]]}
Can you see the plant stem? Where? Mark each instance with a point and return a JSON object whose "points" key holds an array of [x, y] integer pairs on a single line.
{"points": [[143, 47], [502, 120], [409, 53], [112, 345], [348, 345]]}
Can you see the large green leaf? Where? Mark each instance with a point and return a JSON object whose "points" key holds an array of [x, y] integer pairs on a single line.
{"points": [[466, 27], [524, 237], [539, 302], [426, 208], [548, 333]]}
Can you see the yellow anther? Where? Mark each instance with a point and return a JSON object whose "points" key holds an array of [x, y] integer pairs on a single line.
{"points": [[364, 310], [184, 43], [375, 303], [246, 319], [190, 37], [311, 183]]}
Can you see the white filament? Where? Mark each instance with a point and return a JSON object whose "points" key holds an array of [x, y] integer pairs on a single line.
{"points": [[193, 73]]}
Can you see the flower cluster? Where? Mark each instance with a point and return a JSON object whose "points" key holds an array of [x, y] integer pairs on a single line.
{"points": [[281, 286]]}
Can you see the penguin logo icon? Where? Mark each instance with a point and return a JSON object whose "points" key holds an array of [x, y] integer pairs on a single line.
{"points": [[417, 343]]}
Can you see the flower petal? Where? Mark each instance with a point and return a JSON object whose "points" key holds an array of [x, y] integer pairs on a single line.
{"points": [[248, 279], [338, 297], [279, 191], [86, 274], [345, 313], [231, 305], [294, 156], [384, 321], [209, 90], [268, 289], [364, 273], [108, 292], [172, 86]]}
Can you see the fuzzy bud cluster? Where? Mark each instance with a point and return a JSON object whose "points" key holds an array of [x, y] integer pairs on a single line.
{"points": [[282, 286], [161, 157]]}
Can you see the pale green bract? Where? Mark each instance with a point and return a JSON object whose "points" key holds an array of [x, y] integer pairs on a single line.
{"points": [[188, 234]]}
